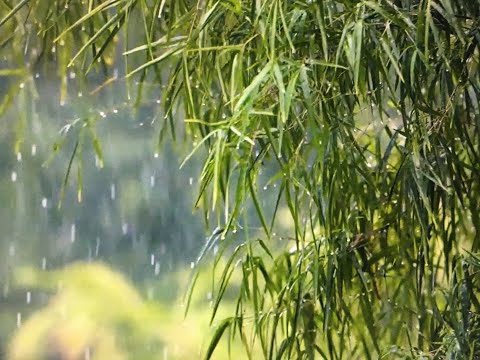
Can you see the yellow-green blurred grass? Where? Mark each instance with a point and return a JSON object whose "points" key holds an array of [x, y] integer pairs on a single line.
{"points": [[96, 308]]}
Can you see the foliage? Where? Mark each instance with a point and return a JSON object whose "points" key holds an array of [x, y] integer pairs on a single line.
{"points": [[368, 109]]}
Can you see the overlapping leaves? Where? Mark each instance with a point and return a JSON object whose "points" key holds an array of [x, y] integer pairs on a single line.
{"points": [[369, 111]]}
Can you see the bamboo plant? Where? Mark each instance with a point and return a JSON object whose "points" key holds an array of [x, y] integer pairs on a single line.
{"points": [[368, 111]]}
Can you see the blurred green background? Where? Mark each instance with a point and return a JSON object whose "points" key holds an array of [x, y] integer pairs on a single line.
{"points": [[134, 212], [87, 181]]}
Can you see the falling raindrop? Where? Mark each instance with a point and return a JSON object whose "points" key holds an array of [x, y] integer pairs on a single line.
{"points": [[87, 353], [34, 150], [44, 203], [152, 181], [112, 191], [44, 263], [19, 319], [190, 180], [97, 247], [192, 265], [80, 94], [163, 248], [115, 111], [72, 233], [72, 75], [155, 155], [14, 176], [152, 259], [29, 297], [19, 156], [124, 228], [22, 85], [11, 250], [157, 268]]}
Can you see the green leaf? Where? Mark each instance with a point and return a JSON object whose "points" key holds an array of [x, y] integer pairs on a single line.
{"points": [[224, 325]]}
